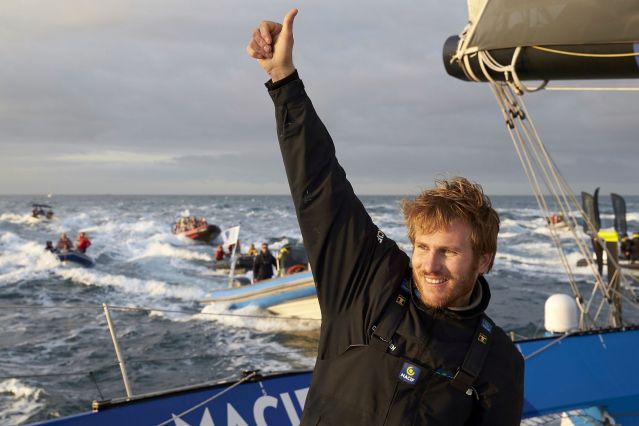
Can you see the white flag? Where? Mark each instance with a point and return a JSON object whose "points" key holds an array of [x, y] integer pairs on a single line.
{"points": [[231, 235]]}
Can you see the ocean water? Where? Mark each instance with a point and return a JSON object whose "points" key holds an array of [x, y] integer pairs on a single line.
{"points": [[56, 354]]}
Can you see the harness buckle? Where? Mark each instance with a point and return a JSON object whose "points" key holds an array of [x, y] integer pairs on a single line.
{"points": [[463, 381], [376, 339]]}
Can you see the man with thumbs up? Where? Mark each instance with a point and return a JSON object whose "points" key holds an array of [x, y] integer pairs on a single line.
{"points": [[400, 344]]}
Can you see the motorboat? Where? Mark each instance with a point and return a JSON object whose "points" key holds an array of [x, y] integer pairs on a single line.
{"points": [[74, 257], [195, 228], [291, 295], [243, 263], [42, 211]]}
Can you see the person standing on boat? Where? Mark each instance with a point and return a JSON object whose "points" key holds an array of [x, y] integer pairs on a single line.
{"points": [[283, 259], [82, 243], [64, 243], [219, 252], [399, 343], [252, 251], [263, 264]]}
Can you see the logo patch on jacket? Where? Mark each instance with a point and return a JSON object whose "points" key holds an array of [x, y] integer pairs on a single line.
{"points": [[400, 300], [409, 373], [486, 325]]}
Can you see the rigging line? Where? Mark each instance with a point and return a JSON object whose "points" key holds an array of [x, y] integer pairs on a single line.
{"points": [[500, 102], [73, 373], [586, 55], [468, 69], [540, 199], [533, 150], [606, 291], [95, 382], [518, 84], [463, 60], [244, 354], [468, 33], [566, 190], [559, 193], [71, 307], [583, 247], [632, 302], [548, 160], [206, 401], [548, 346], [510, 71], [527, 152], [539, 154], [552, 181], [501, 96], [602, 303]]}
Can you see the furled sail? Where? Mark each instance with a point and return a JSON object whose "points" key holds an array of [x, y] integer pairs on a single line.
{"points": [[546, 40], [501, 24]]}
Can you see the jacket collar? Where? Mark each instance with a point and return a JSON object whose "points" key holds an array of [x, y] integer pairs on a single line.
{"points": [[480, 299]]}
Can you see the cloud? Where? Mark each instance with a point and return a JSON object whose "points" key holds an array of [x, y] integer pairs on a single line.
{"points": [[162, 91], [116, 157]]}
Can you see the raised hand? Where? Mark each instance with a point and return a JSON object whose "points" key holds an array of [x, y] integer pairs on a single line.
{"points": [[272, 45]]}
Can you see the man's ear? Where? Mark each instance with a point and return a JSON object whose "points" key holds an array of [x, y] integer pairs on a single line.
{"points": [[484, 262]]}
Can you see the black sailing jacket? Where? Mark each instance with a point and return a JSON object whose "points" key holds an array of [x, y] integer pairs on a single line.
{"points": [[357, 270], [263, 266]]}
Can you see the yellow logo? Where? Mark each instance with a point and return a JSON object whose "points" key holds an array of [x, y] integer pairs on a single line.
{"points": [[410, 371], [400, 300], [482, 338]]}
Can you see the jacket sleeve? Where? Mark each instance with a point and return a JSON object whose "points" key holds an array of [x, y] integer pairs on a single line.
{"points": [[351, 259]]}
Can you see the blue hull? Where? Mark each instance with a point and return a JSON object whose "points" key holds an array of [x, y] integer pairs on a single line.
{"points": [[589, 369], [77, 258], [267, 293], [277, 400]]}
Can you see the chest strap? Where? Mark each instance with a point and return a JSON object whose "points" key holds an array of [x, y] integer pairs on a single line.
{"points": [[382, 339], [475, 356], [382, 333]]}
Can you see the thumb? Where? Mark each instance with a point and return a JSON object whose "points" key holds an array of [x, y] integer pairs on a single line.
{"points": [[287, 24]]}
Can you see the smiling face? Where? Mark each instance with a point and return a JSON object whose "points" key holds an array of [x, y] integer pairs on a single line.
{"points": [[445, 268]]}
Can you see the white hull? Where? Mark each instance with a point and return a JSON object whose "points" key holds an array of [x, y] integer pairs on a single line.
{"points": [[301, 308]]}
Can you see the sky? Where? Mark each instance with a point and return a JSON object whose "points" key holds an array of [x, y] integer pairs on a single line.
{"points": [[160, 97]]}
